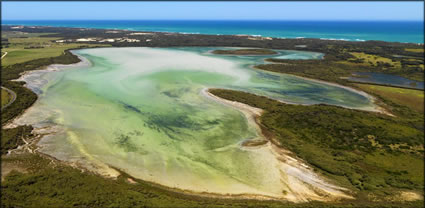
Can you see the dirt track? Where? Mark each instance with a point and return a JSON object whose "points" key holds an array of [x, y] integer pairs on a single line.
{"points": [[12, 100]]}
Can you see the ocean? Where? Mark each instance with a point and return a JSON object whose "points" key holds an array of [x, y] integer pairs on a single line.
{"points": [[391, 31]]}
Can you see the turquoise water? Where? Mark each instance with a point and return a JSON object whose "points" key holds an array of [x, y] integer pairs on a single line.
{"points": [[386, 79], [392, 31], [142, 110]]}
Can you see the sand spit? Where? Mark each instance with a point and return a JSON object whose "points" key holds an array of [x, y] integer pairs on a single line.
{"points": [[34, 81], [302, 184], [376, 108]]}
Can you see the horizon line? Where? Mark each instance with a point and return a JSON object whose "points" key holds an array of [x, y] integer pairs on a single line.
{"points": [[313, 20]]}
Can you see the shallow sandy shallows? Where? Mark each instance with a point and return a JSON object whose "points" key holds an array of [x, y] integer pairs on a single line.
{"points": [[140, 110]]}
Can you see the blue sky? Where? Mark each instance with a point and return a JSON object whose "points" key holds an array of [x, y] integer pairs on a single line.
{"points": [[213, 10]]}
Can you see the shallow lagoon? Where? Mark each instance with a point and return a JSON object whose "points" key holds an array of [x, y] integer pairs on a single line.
{"points": [[141, 110], [386, 79]]}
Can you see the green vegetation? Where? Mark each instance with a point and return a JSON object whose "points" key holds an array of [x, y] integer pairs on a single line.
{"points": [[256, 51], [25, 49], [416, 50], [26, 97], [13, 137], [353, 147], [408, 97], [19, 34], [374, 60], [332, 68], [49, 183], [19, 60], [349, 146], [326, 70], [407, 58], [26, 52], [5, 97]]}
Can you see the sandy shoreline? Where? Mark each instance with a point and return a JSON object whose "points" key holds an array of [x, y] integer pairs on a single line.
{"points": [[35, 87], [376, 108], [303, 183], [250, 113], [56, 67]]}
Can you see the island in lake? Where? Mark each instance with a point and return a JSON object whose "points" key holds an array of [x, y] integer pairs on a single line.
{"points": [[251, 51], [136, 118]]}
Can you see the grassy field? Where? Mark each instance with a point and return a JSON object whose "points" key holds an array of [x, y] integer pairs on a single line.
{"points": [[29, 52], [374, 60], [416, 50], [25, 49], [5, 97], [407, 97]]}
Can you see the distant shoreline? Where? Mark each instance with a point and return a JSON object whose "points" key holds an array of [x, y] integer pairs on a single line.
{"points": [[293, 29]]}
